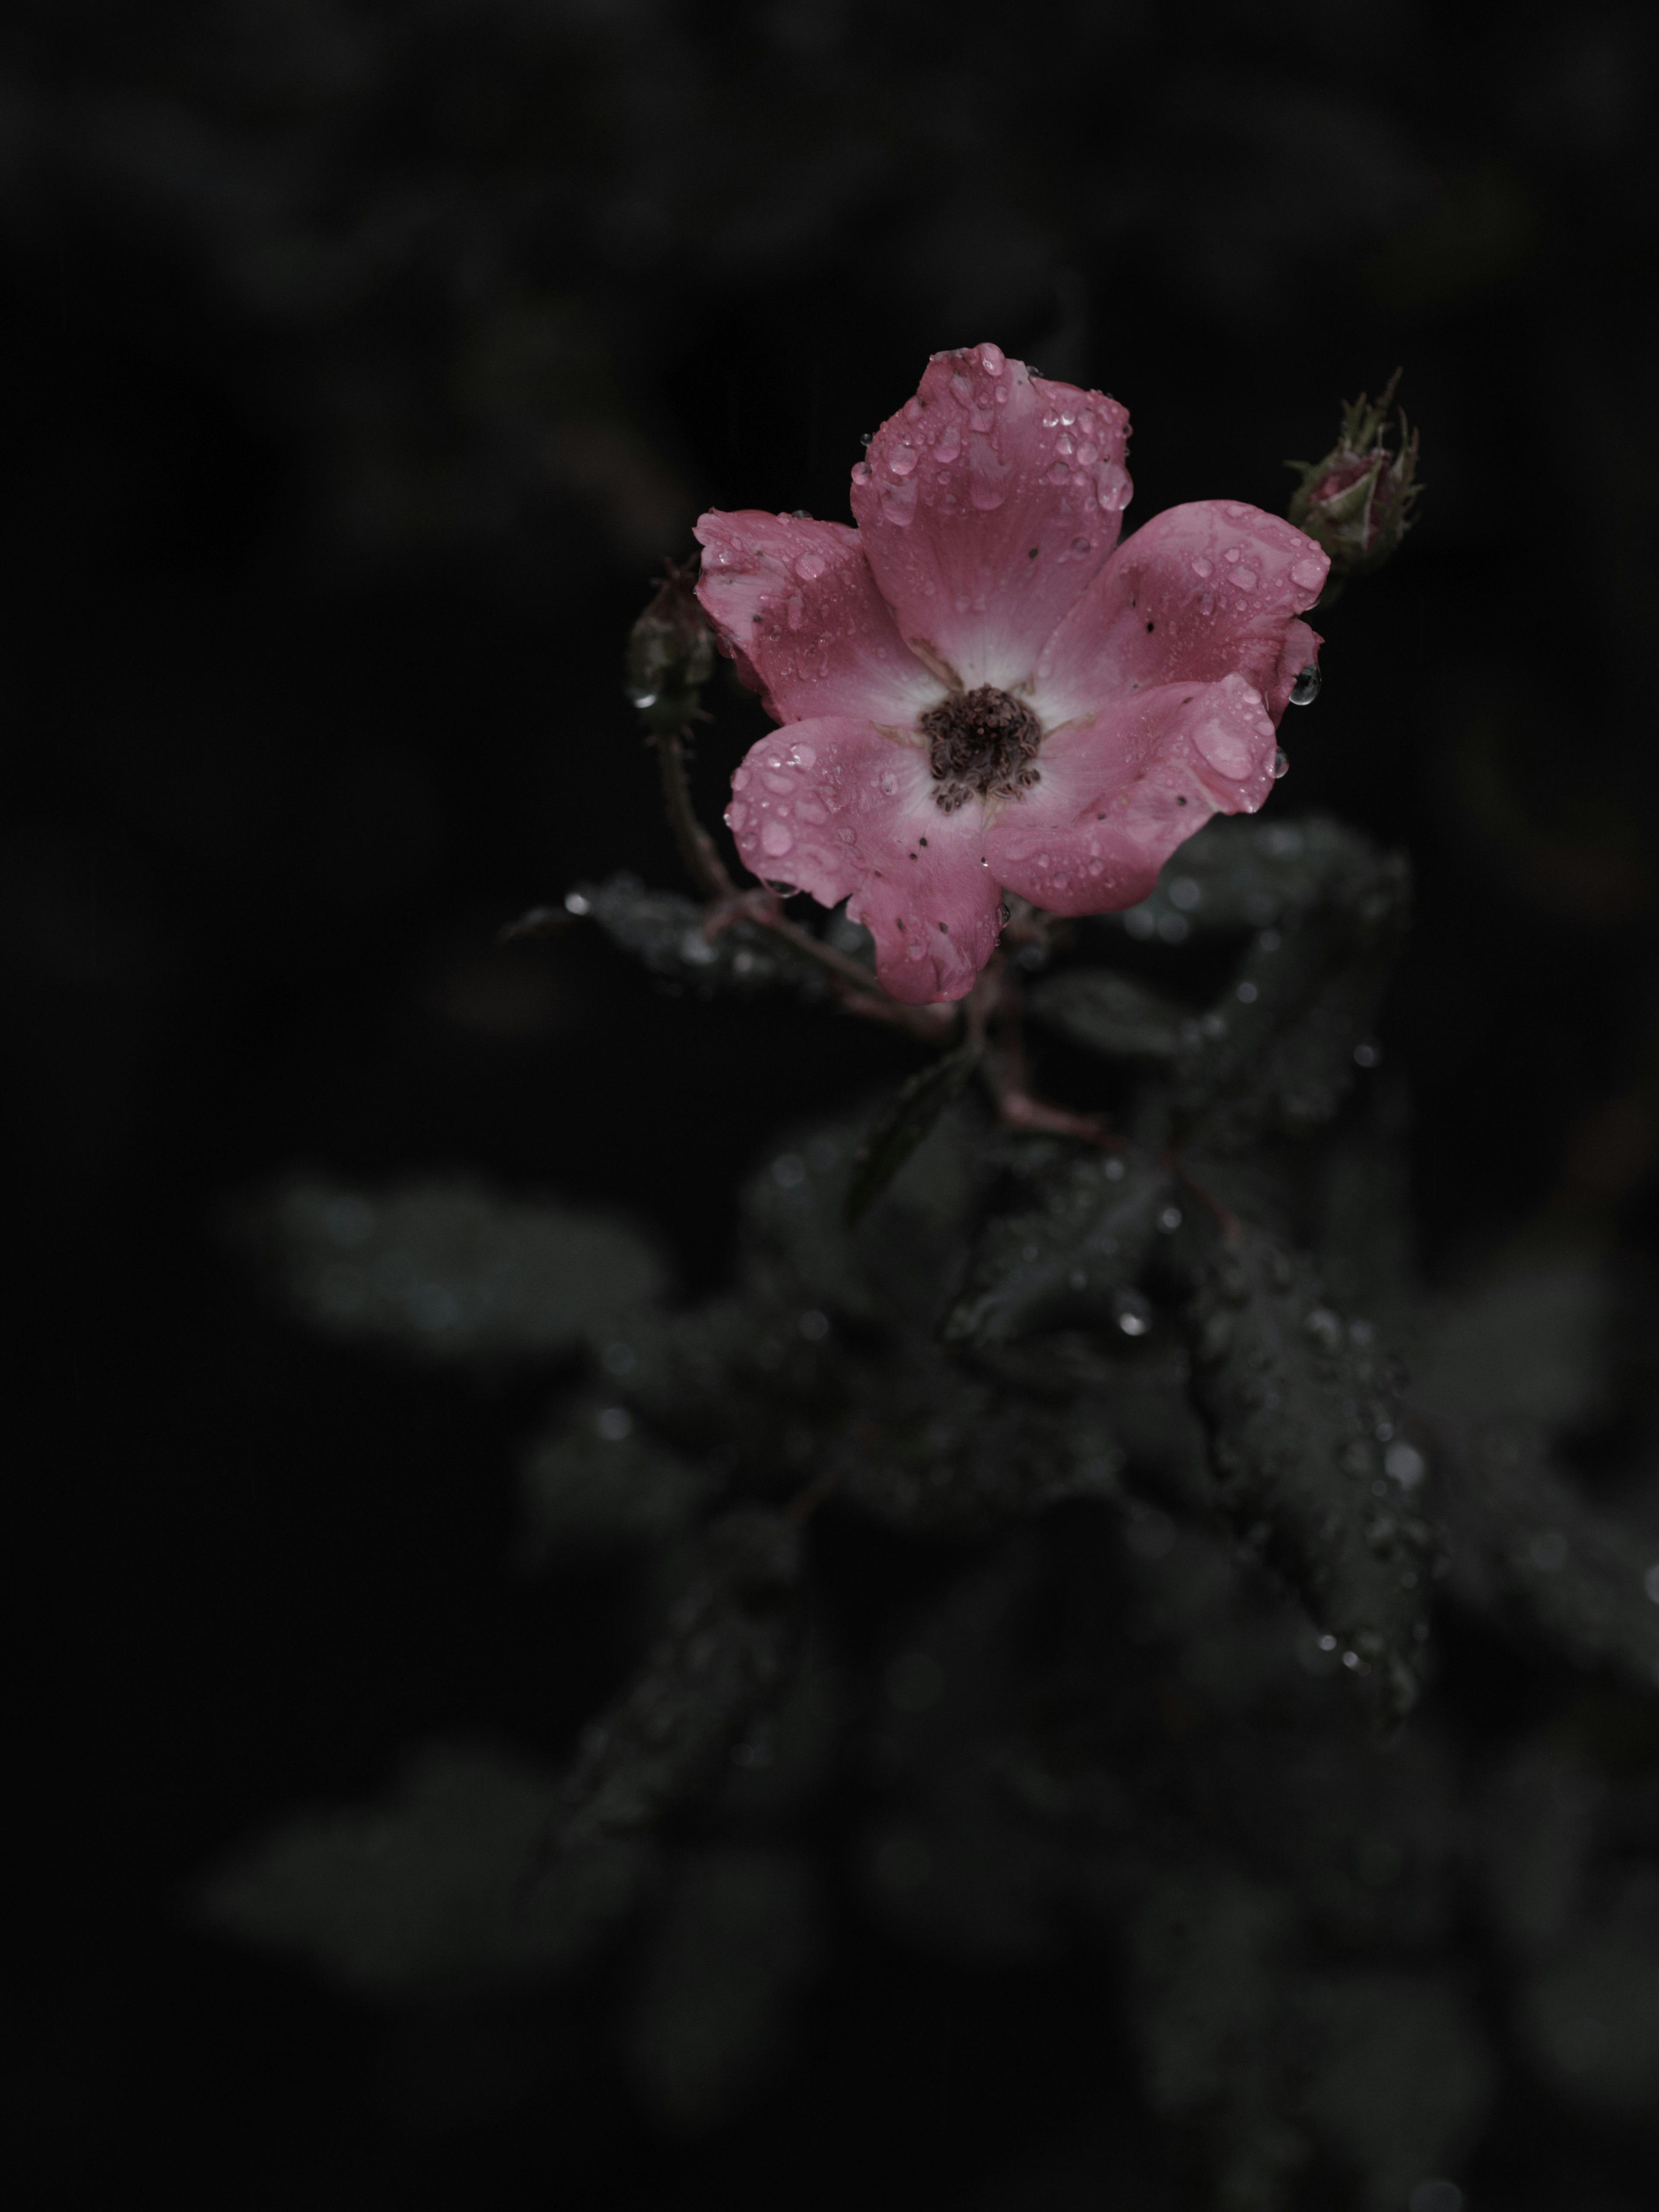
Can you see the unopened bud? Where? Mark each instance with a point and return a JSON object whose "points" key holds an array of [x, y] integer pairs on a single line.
{"points": [[1358, 503], [671, 654]]}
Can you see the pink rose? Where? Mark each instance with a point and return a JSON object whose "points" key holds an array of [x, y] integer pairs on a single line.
{"points": [[980, 690]]}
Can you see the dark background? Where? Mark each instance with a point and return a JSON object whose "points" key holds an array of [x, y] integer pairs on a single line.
{"points": [[362, 361]]}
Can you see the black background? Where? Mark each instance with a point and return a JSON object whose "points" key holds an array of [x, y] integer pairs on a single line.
{"points": [[362, 363]]}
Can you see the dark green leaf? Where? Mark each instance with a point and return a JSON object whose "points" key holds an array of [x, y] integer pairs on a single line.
{"points": [[664, 931], [937, 1448], [1110, 1014], [917, 1106], [453, 1271], [1239, 873], [738, 1936], [598, 1479], [722, 1656], [1299, 1405], [1529, 1546], [1071, 1257], [1278, 1053], [901, 1266], [1398, 2076], [428, 1886], [1206, 1966]]}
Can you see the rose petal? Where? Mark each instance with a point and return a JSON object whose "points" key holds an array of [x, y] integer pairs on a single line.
{"points": [[986, 506], [836, 809], [1199, 593], [1118, 793], [795, 604]]}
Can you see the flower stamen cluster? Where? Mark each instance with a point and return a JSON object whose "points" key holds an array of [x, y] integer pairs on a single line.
{"points": [[981, 744]]}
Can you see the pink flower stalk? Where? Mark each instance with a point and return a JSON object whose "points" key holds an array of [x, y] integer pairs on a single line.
{"points": [[979, 694]]}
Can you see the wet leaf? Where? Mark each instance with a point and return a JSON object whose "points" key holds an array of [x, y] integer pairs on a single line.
{"points": [[722, 1653], [1238, 874], [664, 931], [909, 1118], [1294, 1398], [1071, 1257], [938, 1450], [1113, 1015], [1276, 1054]]}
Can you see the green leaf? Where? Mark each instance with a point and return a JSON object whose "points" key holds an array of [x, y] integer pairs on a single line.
{"points": [[427, 1887], [1072, 1257], [917, 1106], [597, 1480], [1208, 1970], [1110, 1014], [738, 1934], [1277, 1054], [664, 931], [452, 1271], [940, 1450], [1295, 1398], [722, 1656], [1527, 1546], [1398, 2074], [1237, 873]]}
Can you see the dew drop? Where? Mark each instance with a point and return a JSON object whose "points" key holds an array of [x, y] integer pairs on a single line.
{"points": [[1305, 689], [1203, 567], [776, 840], [1281, 763]]}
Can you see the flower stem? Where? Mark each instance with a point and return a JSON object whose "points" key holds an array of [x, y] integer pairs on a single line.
{"points": [[697, 848]]}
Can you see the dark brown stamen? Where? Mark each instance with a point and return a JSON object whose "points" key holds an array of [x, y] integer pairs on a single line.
{"points": [[981, 744]]}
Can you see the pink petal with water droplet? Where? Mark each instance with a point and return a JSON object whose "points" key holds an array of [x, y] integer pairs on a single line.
{"points": [[1104, 649], [957, 564], [795, 606], [1117, 794], [863, 826]]}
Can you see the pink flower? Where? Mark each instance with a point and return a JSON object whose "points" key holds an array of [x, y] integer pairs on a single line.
{"points": [[978, 693]]}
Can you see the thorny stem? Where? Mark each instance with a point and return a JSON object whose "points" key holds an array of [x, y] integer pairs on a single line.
{"points": [[698, 848], [1004, 1068]]}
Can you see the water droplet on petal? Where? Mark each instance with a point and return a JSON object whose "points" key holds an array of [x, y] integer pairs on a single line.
{"points": [[1203, 567], [776, 840], [1305, 689], [809, 567], [1307, 574], [1281, 763]]}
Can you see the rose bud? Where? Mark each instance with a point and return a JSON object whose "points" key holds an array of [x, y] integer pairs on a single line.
{"points": [[671, 654], [1358, 503]]}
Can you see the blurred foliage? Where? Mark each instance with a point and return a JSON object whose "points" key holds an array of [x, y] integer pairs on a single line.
{"points": [[1193, 1523], [360, 351]]}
